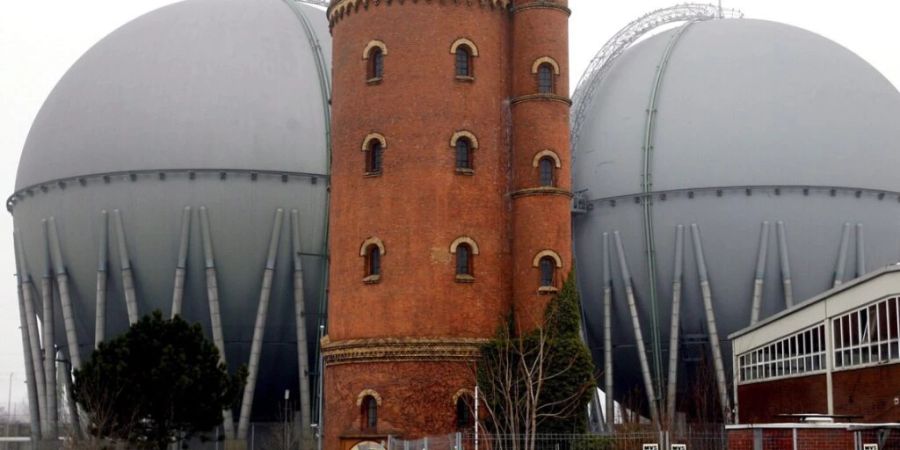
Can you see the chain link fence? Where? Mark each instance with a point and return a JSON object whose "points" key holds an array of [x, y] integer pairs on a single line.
{"points": [[630, 440]]}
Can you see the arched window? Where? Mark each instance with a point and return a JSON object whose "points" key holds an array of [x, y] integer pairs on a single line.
{"points": [[546, 167], [464, 260], [376, 63], [464, 154], [374, 157], [464, 417], [463, 61], [547, 266], [373, 261], [545, 79], [368, 412]]}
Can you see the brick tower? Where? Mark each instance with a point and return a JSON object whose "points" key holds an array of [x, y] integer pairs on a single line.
{"points": [[450, 203]]}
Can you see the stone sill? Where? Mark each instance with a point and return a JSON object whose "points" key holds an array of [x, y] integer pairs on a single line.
{"points": [[372, 174], [373, 81], [465, 279], [468, 172], [465, 79], [372, 279], [546, 290]]}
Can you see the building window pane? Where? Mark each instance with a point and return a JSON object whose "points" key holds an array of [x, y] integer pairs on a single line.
{"points": [[548, 267], [374, 157], [463, 260], [545, 79], [463, 61], [376, 63], [463, 154]]}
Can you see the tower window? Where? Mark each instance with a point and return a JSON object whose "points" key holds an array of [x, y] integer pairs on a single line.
{"points": [[464, 260], [546, 167], [464, 416], [548, 270], [373, 261], [463, 61], [464, 154], [376, 64], [374, 157], [368, 412], [545, 79]]}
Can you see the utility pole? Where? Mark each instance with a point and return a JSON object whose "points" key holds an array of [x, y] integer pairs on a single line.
{"points": [[8, 406]]}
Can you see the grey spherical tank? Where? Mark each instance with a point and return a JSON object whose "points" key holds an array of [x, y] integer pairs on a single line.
{"points": [[768, 149], [185, 157]]}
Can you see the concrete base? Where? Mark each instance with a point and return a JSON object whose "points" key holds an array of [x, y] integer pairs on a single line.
{"points": [[235, 444]]}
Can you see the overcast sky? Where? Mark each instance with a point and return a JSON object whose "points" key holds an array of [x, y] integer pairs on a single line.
{"points": [[39, 40]]}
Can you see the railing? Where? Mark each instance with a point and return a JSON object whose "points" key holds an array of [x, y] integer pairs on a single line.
{"points": [[621, 440]]}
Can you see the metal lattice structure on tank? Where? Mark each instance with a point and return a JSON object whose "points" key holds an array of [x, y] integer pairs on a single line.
{"points": [[626, 37], [315, 2]]}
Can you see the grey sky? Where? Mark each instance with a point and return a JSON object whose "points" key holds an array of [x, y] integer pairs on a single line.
{"points": [[40, 40]]}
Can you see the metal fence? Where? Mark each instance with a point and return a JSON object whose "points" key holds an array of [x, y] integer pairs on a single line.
{"points": [[625, 440]]}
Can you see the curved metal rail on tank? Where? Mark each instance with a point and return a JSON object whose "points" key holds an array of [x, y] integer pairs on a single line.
{"points": [[626, 37]]}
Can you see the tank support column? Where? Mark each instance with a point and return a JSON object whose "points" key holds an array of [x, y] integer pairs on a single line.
{"points": [[50, 433], [127, 276], [35, 407], [638, 334], [607, 337], [785, 267], [215, 314], [759, 281], [102, 276], [711, 324], [260, 327], [34, 339], [842, 256], [180, 267], [300, 313], [675, 327]]}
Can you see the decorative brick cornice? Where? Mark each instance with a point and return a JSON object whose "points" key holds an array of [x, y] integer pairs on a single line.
{"points": [[400, 349], [542, 4], [541, 98], [338, 9], [542, 191]]}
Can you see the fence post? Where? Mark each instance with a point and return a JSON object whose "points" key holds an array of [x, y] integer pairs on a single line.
{"points": [[458, 440]]}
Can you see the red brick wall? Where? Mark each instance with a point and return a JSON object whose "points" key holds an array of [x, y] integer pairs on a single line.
{"points": [[417, 399], [868, 392], [419, 205], [762, 402], [740, 439], [541, 221]]}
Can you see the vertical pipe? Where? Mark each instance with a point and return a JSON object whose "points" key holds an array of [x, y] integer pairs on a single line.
{"points": [[127, 275], [785, 267], [49, 342], [711, 324], [260, 326], [31, 371], [636, 325], [300, 317], [62, 283], [842, 256], [34, 340], [607, 337], [215, 314], [672, 388], [102, 276], [180, 266], [758, 282], [860, 251]]}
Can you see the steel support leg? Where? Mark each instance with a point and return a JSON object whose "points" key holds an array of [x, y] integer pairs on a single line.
{"points": [[638, 334], [181, 265], [127, 275], [300, 318], [675, 326], [607, 337], [102, 278], [842, 257], [719, 366], [62, 283], [34, 401], [785, 267], [48, 327], [758, 282], [34, 340], [215, 314], [260, 326]]}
